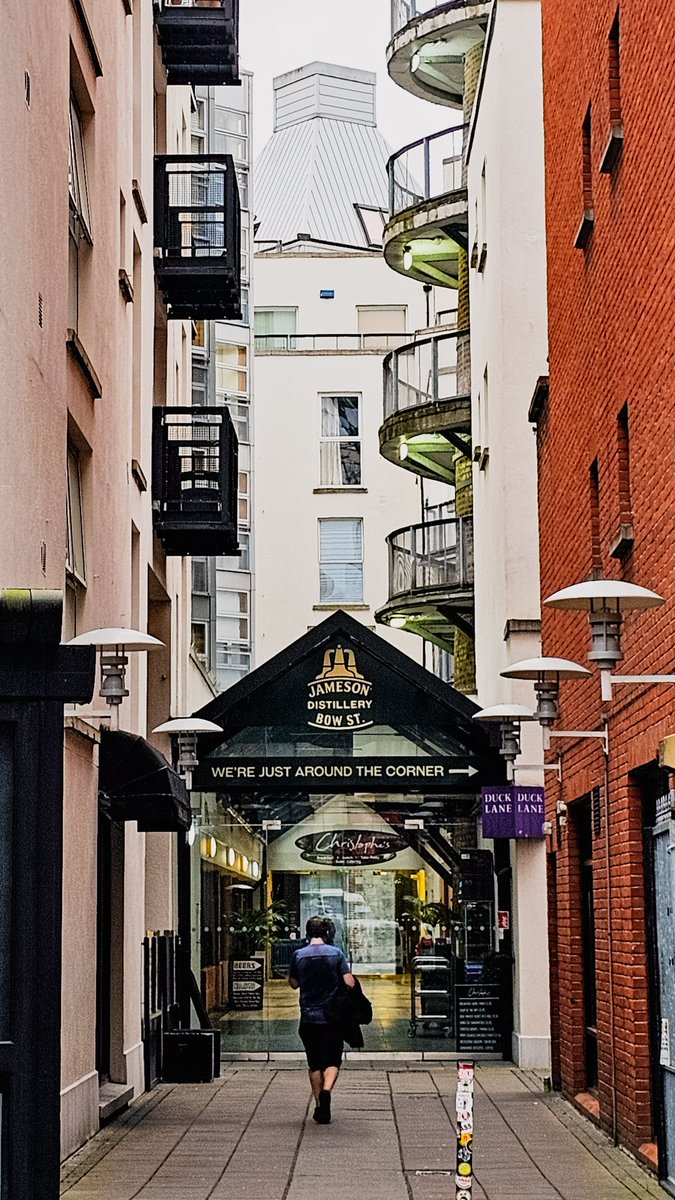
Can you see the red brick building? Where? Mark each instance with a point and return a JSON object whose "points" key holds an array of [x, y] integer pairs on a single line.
{"points": [[606, 442]]}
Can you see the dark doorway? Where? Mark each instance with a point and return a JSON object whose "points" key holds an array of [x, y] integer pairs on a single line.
{"points": [[584, 834], [109, 935]]}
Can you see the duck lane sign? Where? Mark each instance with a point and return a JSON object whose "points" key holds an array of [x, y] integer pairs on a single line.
{"points": [[339, 697], [513, 812]]}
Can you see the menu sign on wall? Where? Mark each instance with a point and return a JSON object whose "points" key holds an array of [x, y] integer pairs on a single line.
{"points": [[513, 812], [247, 983], [478, 1018]]}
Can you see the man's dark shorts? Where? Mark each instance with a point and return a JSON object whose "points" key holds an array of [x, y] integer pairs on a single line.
{"points": [[323, 1045]]}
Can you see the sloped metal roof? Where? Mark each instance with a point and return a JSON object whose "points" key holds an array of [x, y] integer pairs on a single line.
{"points": [[312, 173]]}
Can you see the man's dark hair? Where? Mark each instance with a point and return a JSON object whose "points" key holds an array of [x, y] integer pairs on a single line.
{"points": [[320, 927]]}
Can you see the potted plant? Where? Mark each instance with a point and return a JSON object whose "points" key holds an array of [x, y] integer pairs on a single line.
{"points": [[252, 931]]}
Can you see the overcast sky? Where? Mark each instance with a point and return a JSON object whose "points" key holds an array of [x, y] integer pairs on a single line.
{"points": [[279, 35]]}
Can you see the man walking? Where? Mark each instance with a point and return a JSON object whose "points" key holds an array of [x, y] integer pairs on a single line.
{"points": [[319, 969]]}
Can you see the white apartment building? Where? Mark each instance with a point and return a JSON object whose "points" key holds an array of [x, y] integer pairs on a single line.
{"points": [[327, 310]]}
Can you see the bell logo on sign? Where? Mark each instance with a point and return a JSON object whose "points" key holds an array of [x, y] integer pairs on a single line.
{"points": [[340, 696]]}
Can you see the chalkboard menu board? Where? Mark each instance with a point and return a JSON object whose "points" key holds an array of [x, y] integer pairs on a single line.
{"points": [[478, 1018], [247, 978]]}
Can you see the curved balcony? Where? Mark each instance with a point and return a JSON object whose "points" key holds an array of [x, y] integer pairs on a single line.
{"points": [[428, 42], [428, 208], [427, 405], [431, 580]]}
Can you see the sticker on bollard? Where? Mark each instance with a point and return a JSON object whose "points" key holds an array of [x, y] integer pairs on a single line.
{"points": [[464, 1110]]}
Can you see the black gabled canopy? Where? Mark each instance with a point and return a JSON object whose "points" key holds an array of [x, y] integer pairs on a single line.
{"points": [[275, 713], [136, 783]]}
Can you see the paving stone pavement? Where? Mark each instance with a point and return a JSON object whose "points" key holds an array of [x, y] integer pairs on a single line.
{"points": [[249, 1134]]}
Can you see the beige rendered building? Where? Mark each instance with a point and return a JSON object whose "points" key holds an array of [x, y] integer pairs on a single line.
{"points": [[87, 350]]}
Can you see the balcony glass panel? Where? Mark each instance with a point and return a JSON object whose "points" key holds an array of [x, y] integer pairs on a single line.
{"points": [[424, 372], [436, 554], [426, 169]]}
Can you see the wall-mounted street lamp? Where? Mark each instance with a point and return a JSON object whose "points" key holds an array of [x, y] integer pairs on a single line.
{"points": [[508, 717], [114, 645], [605, 601], [185, 731], [546, 674]]}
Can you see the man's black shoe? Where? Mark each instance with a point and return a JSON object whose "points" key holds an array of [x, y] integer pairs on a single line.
{"points": [[323, 1117], [315, 1114]]}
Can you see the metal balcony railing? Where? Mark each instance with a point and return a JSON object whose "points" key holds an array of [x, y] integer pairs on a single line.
{"points": [[437, 554], [198, 235], [425, 169], [426, 371], [194, 480], [199, 40], [299, 342], [404, 11]]}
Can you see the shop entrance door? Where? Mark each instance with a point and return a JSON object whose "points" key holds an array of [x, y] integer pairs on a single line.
{"points": [[362, 906], [664, 902]]}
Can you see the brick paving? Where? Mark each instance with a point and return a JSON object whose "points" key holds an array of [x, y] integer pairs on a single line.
{"points": [[249, 1134]]}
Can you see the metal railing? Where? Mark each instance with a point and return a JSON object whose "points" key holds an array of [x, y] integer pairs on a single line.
{"points": [[404, 11], [436, 554], [431, 369], [299, 342], [430, 167]]}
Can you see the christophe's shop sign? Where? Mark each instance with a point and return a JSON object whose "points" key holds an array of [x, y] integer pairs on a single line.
{"points": [[339, 697], [350, 847]]}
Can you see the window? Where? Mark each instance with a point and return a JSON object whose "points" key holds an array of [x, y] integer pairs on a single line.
{"points": [[232, 623], [231, 369], [75, 558], [373, 222], [614, 147], [623, 432], [200, 576], [241, 419], [340, 442], [377, 322], [341, 560], [615, 72], [231, 665], [594, 500], [199, 644], [200, 380], [588, 217], [243, 561], [274, 328], [78, 187], [79, 227], [243, 498]]}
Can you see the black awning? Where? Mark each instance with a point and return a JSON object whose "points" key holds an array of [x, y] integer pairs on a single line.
{"points": [[136, 783]]}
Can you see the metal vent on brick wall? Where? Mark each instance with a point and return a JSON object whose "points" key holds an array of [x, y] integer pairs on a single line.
{"points": [[194, 487]]}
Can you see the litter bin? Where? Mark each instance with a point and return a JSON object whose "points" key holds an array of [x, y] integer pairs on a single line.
{"points": [[188, 1055]]}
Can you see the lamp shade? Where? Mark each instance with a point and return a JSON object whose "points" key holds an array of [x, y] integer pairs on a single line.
{"points": [[614, 594], [188, 725], [108, 638], [505, 712], [548, 670]]}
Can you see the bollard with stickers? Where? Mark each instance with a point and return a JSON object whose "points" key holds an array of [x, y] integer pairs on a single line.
{"points": [[464, 1111]]}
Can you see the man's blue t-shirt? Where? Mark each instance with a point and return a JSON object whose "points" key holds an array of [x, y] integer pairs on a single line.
{"points": [[319, 970]]}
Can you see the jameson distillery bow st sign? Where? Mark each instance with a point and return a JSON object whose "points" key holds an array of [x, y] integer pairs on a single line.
{"points": [[513, 812]]}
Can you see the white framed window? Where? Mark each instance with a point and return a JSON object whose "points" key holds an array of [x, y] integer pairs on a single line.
{"points": [[373, 221], [340, 441], [341, 560], [240, 563], [78, 184], [275, 328], [231, 370], [232, 664], [232, 613], [244, 498], [382, 325], [75, 556]]}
